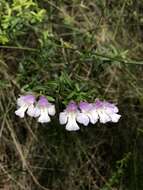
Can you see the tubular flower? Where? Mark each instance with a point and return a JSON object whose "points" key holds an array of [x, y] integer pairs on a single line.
{"points": [[42, 110], [87, 114], [69, 117], [24, 103], [106, 111]]}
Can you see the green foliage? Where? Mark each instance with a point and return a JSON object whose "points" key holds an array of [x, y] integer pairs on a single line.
{"points": [[17, 18]]}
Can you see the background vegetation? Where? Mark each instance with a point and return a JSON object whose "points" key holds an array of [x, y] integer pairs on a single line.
{"points": [[71, 50]]}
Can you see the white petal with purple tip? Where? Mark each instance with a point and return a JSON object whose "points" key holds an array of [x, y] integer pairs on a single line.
{"points": [[87, 109], [24, 103], [69, 117], [43, 110]]}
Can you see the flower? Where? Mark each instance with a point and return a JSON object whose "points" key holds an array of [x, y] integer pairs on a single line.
{"points": [[69, 117], [106, 111], [24, 103], [87, 114], [42, 110]]}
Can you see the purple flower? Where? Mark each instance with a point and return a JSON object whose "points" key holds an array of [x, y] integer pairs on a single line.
{"points": [[69, 117], [87, 114], [106, 111], [42, 110], [24, 103]]}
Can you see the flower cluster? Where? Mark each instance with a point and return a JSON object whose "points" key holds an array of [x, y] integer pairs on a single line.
{"points": [[83, 113], [41, 109]]}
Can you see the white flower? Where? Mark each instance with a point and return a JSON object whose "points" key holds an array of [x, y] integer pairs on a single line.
{"points": [[87, 114], [33, 111], [24, 103], [69, 117], [42, 110], [106, 112]]}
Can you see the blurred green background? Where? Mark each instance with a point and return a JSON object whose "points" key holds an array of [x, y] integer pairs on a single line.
{"points": [[71, 50]]}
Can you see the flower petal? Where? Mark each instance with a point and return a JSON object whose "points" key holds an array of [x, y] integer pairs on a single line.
{"points": [[104, 118], [33, 111], [63, 118], [51, 110], [36, 112], [44, 117], [93, 116], [21, 111], [110, 108], [115, 117], [82, 118], [72, 124]]}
